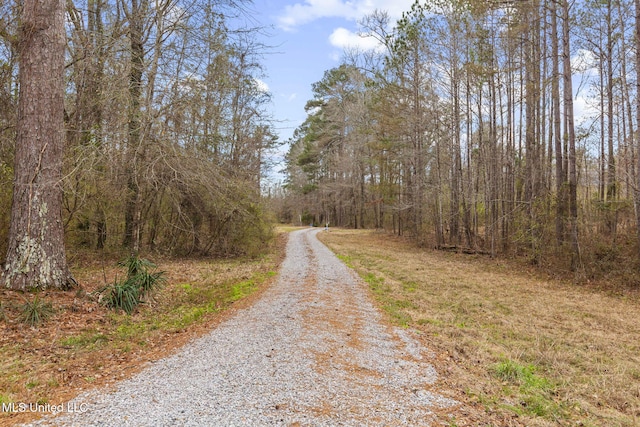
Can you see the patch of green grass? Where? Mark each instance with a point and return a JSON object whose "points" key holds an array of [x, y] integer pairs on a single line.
{"points": [[86, 340], [197, 295], [534, 391], [409, 286], [398, 314], [247, 287], [129, 329], [346, 259], [183, 316], [405, 303], [396, 308], [190, 306], [191, 316], [241, 290], [5, 398], [209, 298], [187, 287], [376, 284]]}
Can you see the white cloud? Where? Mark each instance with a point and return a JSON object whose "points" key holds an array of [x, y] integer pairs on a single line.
{"points": [[345, 39], [292, 97], [261, 85], [307, 11]]}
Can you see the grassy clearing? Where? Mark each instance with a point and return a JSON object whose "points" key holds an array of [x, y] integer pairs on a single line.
{"points": [[83, 344], [546, 352]]}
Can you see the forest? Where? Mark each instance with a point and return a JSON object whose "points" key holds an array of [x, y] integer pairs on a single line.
{"points": [[496, 128], [506, 128], [166, 128]]}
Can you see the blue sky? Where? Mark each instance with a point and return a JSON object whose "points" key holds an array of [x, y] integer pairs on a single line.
{"points": [[308, 38]]}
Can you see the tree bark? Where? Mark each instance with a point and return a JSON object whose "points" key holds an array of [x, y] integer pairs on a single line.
{"points": [[571, 136], [637, 191], [557, 138], [36, 253], [612, 185], [132, 235]]}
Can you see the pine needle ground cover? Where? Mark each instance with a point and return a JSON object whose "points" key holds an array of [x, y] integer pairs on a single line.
{"points": [[81, 343], [531, 351]]}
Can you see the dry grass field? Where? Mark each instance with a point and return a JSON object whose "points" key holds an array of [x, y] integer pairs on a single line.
{"points": [[538, 351]]}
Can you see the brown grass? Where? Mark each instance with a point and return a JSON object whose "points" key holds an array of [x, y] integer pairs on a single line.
{"points": [[84, 345], [542, 351]]}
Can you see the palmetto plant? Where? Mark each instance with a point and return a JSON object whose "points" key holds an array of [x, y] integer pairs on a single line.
{"points": [[140, 276], [138, 286], [36, 311]]}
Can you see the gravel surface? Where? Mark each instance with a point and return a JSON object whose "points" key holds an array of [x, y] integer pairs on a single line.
{"points": [[313, 351]]}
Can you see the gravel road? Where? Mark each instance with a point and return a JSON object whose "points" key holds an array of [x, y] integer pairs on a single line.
{"points": [[313, 351]]}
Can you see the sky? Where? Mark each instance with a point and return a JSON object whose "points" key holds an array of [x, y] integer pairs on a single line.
{"points": [[308, 37]]}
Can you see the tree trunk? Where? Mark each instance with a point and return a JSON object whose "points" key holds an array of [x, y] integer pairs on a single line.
{"points": [[611, 163], [557, 138], [627, 120], [637, 191], [571, 136], [132, 235], [36, 256], [627, 110]]}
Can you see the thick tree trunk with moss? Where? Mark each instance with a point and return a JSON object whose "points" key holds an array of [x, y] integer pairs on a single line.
{"points": [[36, 255]]}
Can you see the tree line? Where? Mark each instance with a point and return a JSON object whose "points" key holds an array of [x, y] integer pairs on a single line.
{"points": [[165, 129], [461, 130]]}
